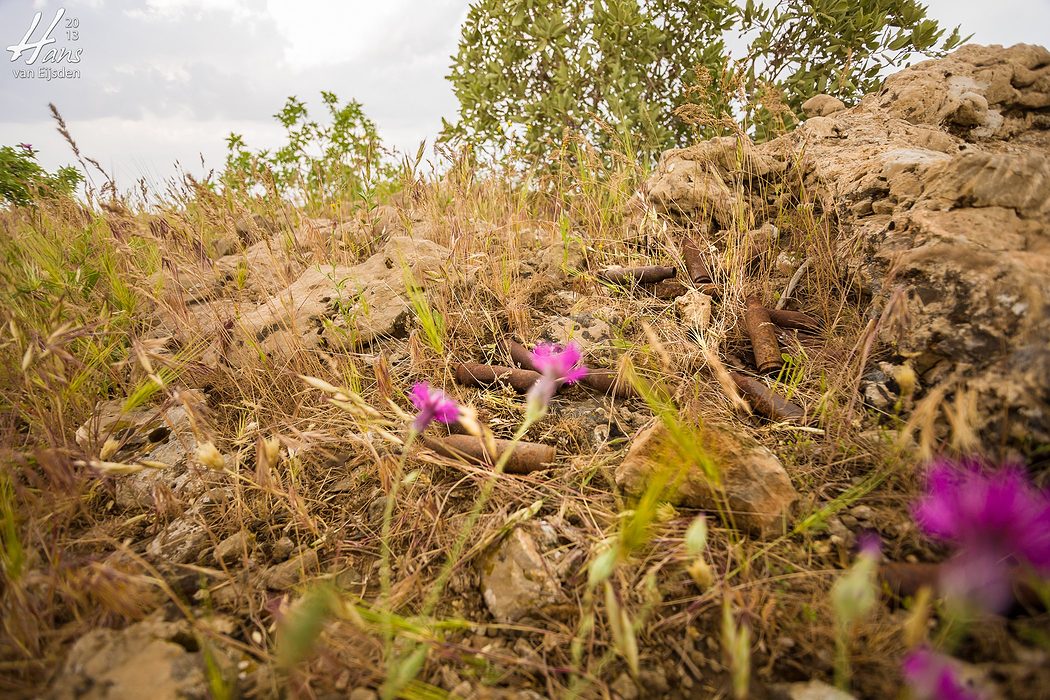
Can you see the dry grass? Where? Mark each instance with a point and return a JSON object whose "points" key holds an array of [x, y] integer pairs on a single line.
{"points": [[91, 295]]}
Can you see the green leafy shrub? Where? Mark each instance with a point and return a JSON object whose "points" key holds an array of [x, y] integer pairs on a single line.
{"points": [[22, 179], [529, 73], [835, 47], [320, 165]]}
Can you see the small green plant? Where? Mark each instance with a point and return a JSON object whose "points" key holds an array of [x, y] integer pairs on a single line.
{"points": [[22, 180], [853, 596], [430, 319], [321, 166], [11, 549]]}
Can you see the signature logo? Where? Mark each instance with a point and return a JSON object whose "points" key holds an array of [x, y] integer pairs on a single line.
{"points": [[68, 53]]}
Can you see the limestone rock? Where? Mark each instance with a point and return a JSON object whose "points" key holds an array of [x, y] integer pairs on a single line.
{"points": [[339, 307], [697, 183], [944, 178], [686, 187], [587, 330], [186, 539], [822, 106], [232, 549], [161, 434], [517, 581], [808, 690], [182, 541], [287, 574], [144, 660], [757, 489]]}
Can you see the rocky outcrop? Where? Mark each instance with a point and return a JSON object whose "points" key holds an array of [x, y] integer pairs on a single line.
{"points": [[943, 177], [754, 493], [328, 305]]}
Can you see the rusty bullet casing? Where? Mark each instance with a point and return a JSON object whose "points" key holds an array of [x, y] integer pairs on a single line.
{"points": [[650, 274], [526, 458], [765, 401], [763, 336], [470, 374], [669, 289], [794, 319], [605, 381], [694, 263], [519, 354]]}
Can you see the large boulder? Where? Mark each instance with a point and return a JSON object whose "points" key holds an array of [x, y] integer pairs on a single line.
{"points": [[943, 177], [753, 490]]}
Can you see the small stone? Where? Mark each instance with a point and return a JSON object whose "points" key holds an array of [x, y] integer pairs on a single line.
{"points": [[181, 541], [654, 680], [849, 521], [862, 513], [810, 690], [232, 548], [363, 694], [282, 549], [757, 488], [822, 106], [462, 690], [143, 660], [516, 582], [291, 572], [837, 528]]}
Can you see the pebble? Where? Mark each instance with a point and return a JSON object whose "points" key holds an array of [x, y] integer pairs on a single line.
{"points": [[282, 549], [862, 513]]}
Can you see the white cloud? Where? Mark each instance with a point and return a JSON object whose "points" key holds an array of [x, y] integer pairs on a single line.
{"points": [[321, 33], [160, 10]]}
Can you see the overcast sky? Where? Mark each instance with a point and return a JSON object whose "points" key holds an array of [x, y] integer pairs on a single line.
{"points": [[165, 81]]}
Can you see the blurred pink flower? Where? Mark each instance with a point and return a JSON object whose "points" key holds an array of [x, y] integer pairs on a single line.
{"points": [[27, 147], [931, 676], [562, 365], [432, 404], [869, 544], [996, 519], [558, 366]]}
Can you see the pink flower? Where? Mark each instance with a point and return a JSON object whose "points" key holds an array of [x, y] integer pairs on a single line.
{"points": [[869, 544], [432, 404], [558, 366], [996, 519], [932, 676]]}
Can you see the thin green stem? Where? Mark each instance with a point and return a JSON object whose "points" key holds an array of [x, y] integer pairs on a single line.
{"points": [[389, 689], [384, 567], [472, 518]]}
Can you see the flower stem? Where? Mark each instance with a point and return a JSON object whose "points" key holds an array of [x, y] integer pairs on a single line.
{"points": [[384, 568]]}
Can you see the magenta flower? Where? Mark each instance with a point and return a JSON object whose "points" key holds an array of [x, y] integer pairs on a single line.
{"points": [[432, 404], [560, 365], [869, 544], [557, 367], [932, 676], [997, 521]]}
